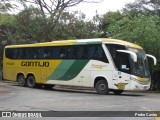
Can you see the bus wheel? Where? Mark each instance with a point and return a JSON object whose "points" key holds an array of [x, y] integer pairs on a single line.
{"points": [[48, 86], [117, 92], [102, 87], [31, 82], [21, 81]]}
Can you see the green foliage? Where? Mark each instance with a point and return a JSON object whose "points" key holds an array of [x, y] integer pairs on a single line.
{"points": [[5, 5], [31, 25], [7, 19], [146, 7], [138, 22], [141, 29], [74, 26]]}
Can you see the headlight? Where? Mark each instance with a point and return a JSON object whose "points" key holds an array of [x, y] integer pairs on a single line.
{"points": [[143, 81]]}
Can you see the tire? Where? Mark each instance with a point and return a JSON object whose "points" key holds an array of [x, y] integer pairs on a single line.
{"points": [[48, 86], [117, 92], [31, 83], [102, 87], [21, 81]]}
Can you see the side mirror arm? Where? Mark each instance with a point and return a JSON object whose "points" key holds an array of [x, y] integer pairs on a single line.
{"points": [[131, 53], [154, 58]]}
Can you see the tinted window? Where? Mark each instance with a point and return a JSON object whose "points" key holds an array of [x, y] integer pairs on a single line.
{"points": [[9, 53], [121, 60], [81, 52], [95, 52], [40, 53], [72, 52], [30, 53]]}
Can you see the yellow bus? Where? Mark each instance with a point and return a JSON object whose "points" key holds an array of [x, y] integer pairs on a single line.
{"points": [[103, 63]]}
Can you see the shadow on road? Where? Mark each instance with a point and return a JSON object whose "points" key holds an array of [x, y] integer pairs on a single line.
{"points": [[80, 90]]}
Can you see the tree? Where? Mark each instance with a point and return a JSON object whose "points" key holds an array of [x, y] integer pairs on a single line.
{"points": [[72, 25], [52, 10], [28, 25], [31, 25], [108, 20], [148, 7], [141, 29], [5, 6], [7, 23]]}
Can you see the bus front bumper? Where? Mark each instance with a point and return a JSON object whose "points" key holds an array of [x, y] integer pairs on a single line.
{"points": [[139, 86]]}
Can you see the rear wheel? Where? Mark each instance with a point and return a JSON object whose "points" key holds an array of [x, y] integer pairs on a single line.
{"points": [[117, 92], [21, 80], [102, 87], [31, 82]]}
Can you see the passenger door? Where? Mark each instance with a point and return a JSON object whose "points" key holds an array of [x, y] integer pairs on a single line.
{"points": [[121, 78]]}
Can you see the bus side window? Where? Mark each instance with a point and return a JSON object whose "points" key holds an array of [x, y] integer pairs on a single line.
{"points": [[9, 53], [62, 54], [56, 52], [71, 52], [91, 52], [86, 52], [21, 53], [24, 54], [15, 54], [51, 49], [80, 50], [96, 52], [27, 53], [30, 53], [101, 54], [74, 56], [47, 53], [40, 53]]}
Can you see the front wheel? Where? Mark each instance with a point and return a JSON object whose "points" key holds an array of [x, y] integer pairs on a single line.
{"points": [[102, 87], [21, 81], [31, 82]]}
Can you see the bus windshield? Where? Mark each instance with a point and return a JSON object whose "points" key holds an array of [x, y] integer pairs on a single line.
{"points": [[125, 63], [140, 68]]}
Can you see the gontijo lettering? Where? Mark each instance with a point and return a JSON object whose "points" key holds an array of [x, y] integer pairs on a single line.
{"points": [[35, 64]]}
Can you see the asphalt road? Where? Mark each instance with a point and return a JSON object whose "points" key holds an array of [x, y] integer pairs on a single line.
{"points": [[15, 98]]}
